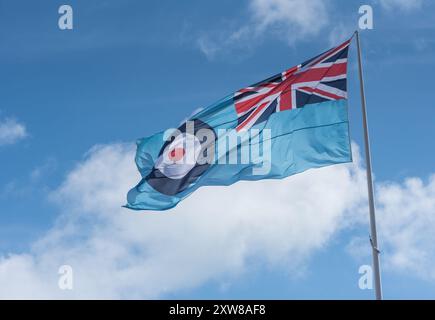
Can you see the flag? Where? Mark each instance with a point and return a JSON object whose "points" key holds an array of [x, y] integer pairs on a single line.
{"points": [[290, 122]]}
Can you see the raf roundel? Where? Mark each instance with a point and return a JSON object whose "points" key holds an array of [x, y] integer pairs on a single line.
{"points": [[176, 167]]}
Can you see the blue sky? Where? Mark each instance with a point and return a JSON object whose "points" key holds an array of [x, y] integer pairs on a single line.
{"points": [[131, 68]]}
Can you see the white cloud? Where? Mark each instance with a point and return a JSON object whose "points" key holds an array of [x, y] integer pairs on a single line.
{"points": [[402, 4], [117, 253], [290, 20], [305, 17], [213, 235], [11, 131], [407, 224]]}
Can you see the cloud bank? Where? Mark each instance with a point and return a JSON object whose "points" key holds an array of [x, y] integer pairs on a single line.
{"points": [[215, 234], [117, 253]]}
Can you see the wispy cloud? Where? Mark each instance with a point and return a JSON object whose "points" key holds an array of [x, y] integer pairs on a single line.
{"points": [[405, 5], [11, 131], [307, 16], [289, 20]]}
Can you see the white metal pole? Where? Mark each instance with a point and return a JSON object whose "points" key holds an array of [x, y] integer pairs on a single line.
{"points": [[373, 233]]}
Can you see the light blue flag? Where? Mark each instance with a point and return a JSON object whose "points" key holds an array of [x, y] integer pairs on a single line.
{"points": [[286, 124]]}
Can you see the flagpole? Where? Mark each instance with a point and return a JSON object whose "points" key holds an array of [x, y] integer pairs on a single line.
{"points": [[373, 233]]}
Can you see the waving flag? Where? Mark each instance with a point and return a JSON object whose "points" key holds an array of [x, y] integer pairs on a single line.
{"points": [[286, 124]]}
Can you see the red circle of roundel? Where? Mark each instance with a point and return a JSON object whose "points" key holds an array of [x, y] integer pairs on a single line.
{"points": [[177, 154]]}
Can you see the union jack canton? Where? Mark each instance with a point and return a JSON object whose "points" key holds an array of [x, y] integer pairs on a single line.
{"points": [[319, 79]]}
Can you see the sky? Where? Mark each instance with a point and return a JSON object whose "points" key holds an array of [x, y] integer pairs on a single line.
{"points": [[73, 102]]}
